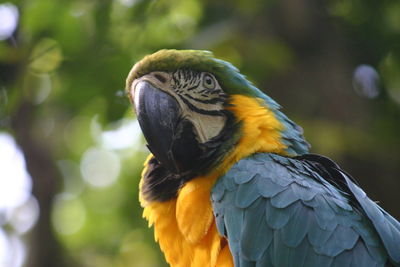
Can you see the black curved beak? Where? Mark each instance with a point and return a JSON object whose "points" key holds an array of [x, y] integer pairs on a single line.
{"points": [[158, 114]]}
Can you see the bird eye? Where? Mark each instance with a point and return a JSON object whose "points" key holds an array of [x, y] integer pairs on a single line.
{"points": [[208, 81]]}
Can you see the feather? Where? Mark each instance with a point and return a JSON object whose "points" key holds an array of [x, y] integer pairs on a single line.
{"points": [[297, 255], [266, 259], [246, 194], [346, 237], [219, 221], [242, 177], [267, 188], [233, 220], [296, 229], [342, 204], [377, 253], [341, 239], [324, 214], [276, 217], [316, 235], [218, 191], [361, 256], [387, 228], [246, 263], [367, 233], [256, 235], [314, 259], [289, 256], [344, 259], [284, 199], [302, 192], [229, 184]]}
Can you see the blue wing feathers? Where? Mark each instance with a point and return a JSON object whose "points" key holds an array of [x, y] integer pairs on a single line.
{"points": [[345, 259], [233, 220], [267, 188], [220, 223], [345, 237], [377, 253], [218, 191], [386, 226], [284, 198], [318, 236], [302, 192], [245, 263], [229, 184], [280, 252], [342, 204], [361, 256], [390, 219], [247, 193], [297, 255], [242, 177], [256, 236], [277, 218], [296, 229], [334, 245], [314, 259], [277, 211], [325, 216], [266, 259]]}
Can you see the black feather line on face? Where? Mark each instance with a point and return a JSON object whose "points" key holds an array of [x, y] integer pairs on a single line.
{"points": [[160, 184], [199, 110], [214, 100]]}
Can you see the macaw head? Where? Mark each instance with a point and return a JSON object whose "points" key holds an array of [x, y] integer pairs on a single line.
{"points": [[196, 110]]}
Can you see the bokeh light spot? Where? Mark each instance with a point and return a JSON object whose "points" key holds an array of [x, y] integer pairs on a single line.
{"points": [[128, 3], [12, 250], [46, 56], [25, 216], [366, 81], [8, 20], [69, 214], [100, 167], [127, 135], [15, 182], [43, 89], [4, 248]]}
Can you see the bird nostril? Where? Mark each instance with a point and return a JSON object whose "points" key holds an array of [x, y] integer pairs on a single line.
{"points": [[160, 78]]}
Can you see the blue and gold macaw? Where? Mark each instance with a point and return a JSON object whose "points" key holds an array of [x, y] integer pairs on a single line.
{"points": [[230, 181]]}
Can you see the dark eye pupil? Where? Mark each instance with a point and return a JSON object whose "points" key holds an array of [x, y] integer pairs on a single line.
{"points": [[208, 81]]}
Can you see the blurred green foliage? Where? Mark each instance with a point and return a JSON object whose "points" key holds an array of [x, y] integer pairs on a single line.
{"points": [[68, 60]]}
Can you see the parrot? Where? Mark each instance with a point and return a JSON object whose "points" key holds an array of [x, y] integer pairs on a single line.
{"points": [[230, 181]]}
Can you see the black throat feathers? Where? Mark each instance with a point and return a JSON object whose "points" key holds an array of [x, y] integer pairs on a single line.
{"points": [[161, 184]]}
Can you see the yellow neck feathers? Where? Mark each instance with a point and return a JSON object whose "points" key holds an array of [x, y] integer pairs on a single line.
{"points": [[185, 227]]}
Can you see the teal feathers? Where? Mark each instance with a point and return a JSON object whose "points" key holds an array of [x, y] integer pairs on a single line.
{"points": [[277, 211]]}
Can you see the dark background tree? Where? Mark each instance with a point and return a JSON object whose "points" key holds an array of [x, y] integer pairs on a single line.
{"points": [[62, 76]]}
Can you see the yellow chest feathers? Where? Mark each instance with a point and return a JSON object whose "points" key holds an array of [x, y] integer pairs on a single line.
{"points": [[185, 228]]}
